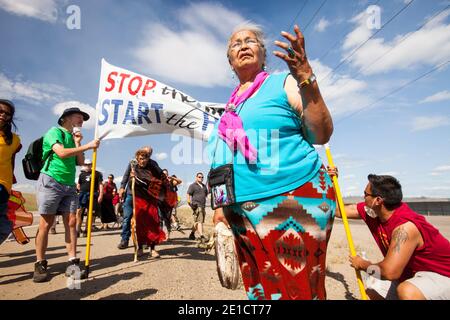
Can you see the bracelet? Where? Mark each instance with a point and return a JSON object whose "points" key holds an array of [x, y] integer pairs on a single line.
{"points": [[308, 81]]}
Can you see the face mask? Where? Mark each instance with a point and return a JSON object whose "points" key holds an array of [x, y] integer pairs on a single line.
{"points": [[370, 212]]}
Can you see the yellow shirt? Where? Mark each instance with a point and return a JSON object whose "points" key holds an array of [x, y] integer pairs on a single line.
{"points": [[6, 154]]}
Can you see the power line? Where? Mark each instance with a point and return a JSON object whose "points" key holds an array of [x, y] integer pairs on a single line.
{"points": [[394, 91], [372, 63], [340, 39], [299, 12], [312, 18], [367, 40]]}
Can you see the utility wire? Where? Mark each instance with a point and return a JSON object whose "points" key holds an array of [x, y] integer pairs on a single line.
{"points": [[299, 12], [307, 25], [340, 39], [394, 91], [314, 16], [367, 40], [372, 63]]}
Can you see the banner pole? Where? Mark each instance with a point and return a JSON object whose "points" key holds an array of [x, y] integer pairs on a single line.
{"points": [[91, 202], [345, 221], [91, 206]]}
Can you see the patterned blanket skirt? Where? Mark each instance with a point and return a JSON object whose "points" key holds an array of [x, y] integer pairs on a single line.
{"points": [[281, 241]]}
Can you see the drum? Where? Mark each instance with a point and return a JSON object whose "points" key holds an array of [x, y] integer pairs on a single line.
{"points": [[226, 257]]}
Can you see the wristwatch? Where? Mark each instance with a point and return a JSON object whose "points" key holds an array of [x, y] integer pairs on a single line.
{"points": [[308, 81]]}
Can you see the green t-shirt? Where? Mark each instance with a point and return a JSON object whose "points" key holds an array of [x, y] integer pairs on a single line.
{"points": [[62, 170]]}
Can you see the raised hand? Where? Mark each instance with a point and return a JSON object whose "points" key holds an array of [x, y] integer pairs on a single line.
{"points": [[295, 55]]}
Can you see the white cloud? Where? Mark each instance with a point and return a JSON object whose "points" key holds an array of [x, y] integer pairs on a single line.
{"points": [[195, 54], [426, 123], [322, 25], [360, 34], [430, 46], [59, 108], [31, 92], [437, 97], [341, 93], [440, 170], [45, 10], [161, 156]]}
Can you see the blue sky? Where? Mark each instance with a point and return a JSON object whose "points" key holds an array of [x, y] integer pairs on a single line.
{"points": [[46, 67]]}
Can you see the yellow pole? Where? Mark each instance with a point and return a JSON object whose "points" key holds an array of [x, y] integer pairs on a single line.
{"points": [[91, 206], [345, 221]]}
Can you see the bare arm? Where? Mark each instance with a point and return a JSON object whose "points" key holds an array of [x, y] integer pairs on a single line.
{"points": [[100, 193], [177, 181], [405, 239], [70, 152], [317, 123], [350, 210]]}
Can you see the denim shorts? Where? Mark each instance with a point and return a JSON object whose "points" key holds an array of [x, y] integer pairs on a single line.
{"points": [[54, 197]]}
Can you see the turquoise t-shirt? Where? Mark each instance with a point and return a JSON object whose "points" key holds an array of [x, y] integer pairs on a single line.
{"points": [[285, 159], [62, 170]]}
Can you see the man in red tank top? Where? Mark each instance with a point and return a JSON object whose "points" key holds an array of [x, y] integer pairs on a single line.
{"points": [[416, 255]]}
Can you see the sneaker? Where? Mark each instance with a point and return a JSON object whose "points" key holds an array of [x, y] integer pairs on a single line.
{"points": [[40, 271], [73, 266], [53, 230], [123, 245], [192, 236]]}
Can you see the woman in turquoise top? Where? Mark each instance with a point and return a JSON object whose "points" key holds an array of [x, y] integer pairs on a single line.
{"points": [[285, 201]]}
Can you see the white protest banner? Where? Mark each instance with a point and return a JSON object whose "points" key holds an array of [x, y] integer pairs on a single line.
{"points": [[130, 104]]}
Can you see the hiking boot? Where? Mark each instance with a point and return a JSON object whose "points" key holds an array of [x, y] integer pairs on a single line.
{"points": [[192, 236], [123, 245], [40, 271], [73, 269]]}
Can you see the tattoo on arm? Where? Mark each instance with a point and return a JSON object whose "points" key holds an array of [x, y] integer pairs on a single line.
{"points": [[400, 236]]}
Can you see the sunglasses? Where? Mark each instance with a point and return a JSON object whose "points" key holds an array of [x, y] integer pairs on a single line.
{"points": [[369, 194]]}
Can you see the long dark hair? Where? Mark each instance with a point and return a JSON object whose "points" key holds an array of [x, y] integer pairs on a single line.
{"points": [[7, 128]]}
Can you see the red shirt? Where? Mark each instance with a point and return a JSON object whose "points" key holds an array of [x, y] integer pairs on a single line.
{"points": [[433, 256], [108, 188]]}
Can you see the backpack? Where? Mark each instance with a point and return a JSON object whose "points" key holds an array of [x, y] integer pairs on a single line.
{"points": [[33, 162]]}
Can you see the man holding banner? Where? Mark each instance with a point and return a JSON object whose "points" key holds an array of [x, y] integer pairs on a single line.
{"points": [[56, 190]]}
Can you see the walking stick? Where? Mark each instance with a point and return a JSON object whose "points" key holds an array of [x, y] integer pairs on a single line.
{"points": [[133, 219], [345, 221]]}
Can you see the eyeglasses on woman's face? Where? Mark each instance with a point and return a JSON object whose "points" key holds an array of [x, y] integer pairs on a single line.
{"points": [[236, 45]]}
